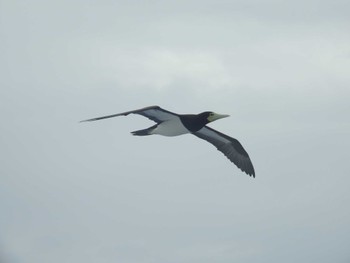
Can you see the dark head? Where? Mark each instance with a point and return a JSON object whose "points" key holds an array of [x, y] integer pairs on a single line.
{"points": [[212, 116], [196, 122]]}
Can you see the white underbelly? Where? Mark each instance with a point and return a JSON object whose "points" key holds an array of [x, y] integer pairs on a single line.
{"points": [[170, 128]]}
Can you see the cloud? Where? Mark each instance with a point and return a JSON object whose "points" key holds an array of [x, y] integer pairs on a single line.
{"points": [[91, 192]]}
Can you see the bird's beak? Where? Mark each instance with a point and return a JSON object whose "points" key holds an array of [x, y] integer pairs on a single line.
{"points": [[217, 116]]}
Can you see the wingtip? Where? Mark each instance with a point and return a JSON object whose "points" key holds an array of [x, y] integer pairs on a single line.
{"points": [[84, 121], [251, 174]]}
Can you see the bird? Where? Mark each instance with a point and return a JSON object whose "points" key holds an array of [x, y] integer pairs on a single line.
{"points": [[172, 124]]}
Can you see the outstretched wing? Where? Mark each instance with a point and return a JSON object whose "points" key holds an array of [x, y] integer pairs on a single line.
{"points": [[230, 147], [155, 113]]}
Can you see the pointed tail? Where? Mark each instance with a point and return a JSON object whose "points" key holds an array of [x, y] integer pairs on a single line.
{"points": [[144, 132]]}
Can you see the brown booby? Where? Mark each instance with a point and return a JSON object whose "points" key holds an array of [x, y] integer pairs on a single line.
{"points": [[172, 124]]}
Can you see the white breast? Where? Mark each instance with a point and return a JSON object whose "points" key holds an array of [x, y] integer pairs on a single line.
{"points": [[172, 127]]}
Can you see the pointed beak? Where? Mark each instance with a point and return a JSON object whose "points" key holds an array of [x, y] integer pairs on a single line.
{"points": [[220, 116], [217, 116]]}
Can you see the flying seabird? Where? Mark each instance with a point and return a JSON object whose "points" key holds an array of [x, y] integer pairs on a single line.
{"points": [[172, 124]]}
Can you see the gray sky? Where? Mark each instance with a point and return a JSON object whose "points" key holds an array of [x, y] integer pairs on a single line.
{"points": [[90, 192]]}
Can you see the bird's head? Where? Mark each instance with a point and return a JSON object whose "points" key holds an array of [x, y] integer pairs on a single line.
{"points": [[212, 116]]}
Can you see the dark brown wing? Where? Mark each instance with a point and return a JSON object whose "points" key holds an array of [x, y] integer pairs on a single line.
{"points": [[230, 147], [154, 113]]}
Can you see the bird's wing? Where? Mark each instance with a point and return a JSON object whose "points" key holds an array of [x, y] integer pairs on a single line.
{"points": [[230, 147], [155, 113]]}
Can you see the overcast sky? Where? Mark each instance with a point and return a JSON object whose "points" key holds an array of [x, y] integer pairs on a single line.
{"points": [[91, 192]]}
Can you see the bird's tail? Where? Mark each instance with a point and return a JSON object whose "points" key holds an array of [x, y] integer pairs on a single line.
{"points": [[144, 132]]}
